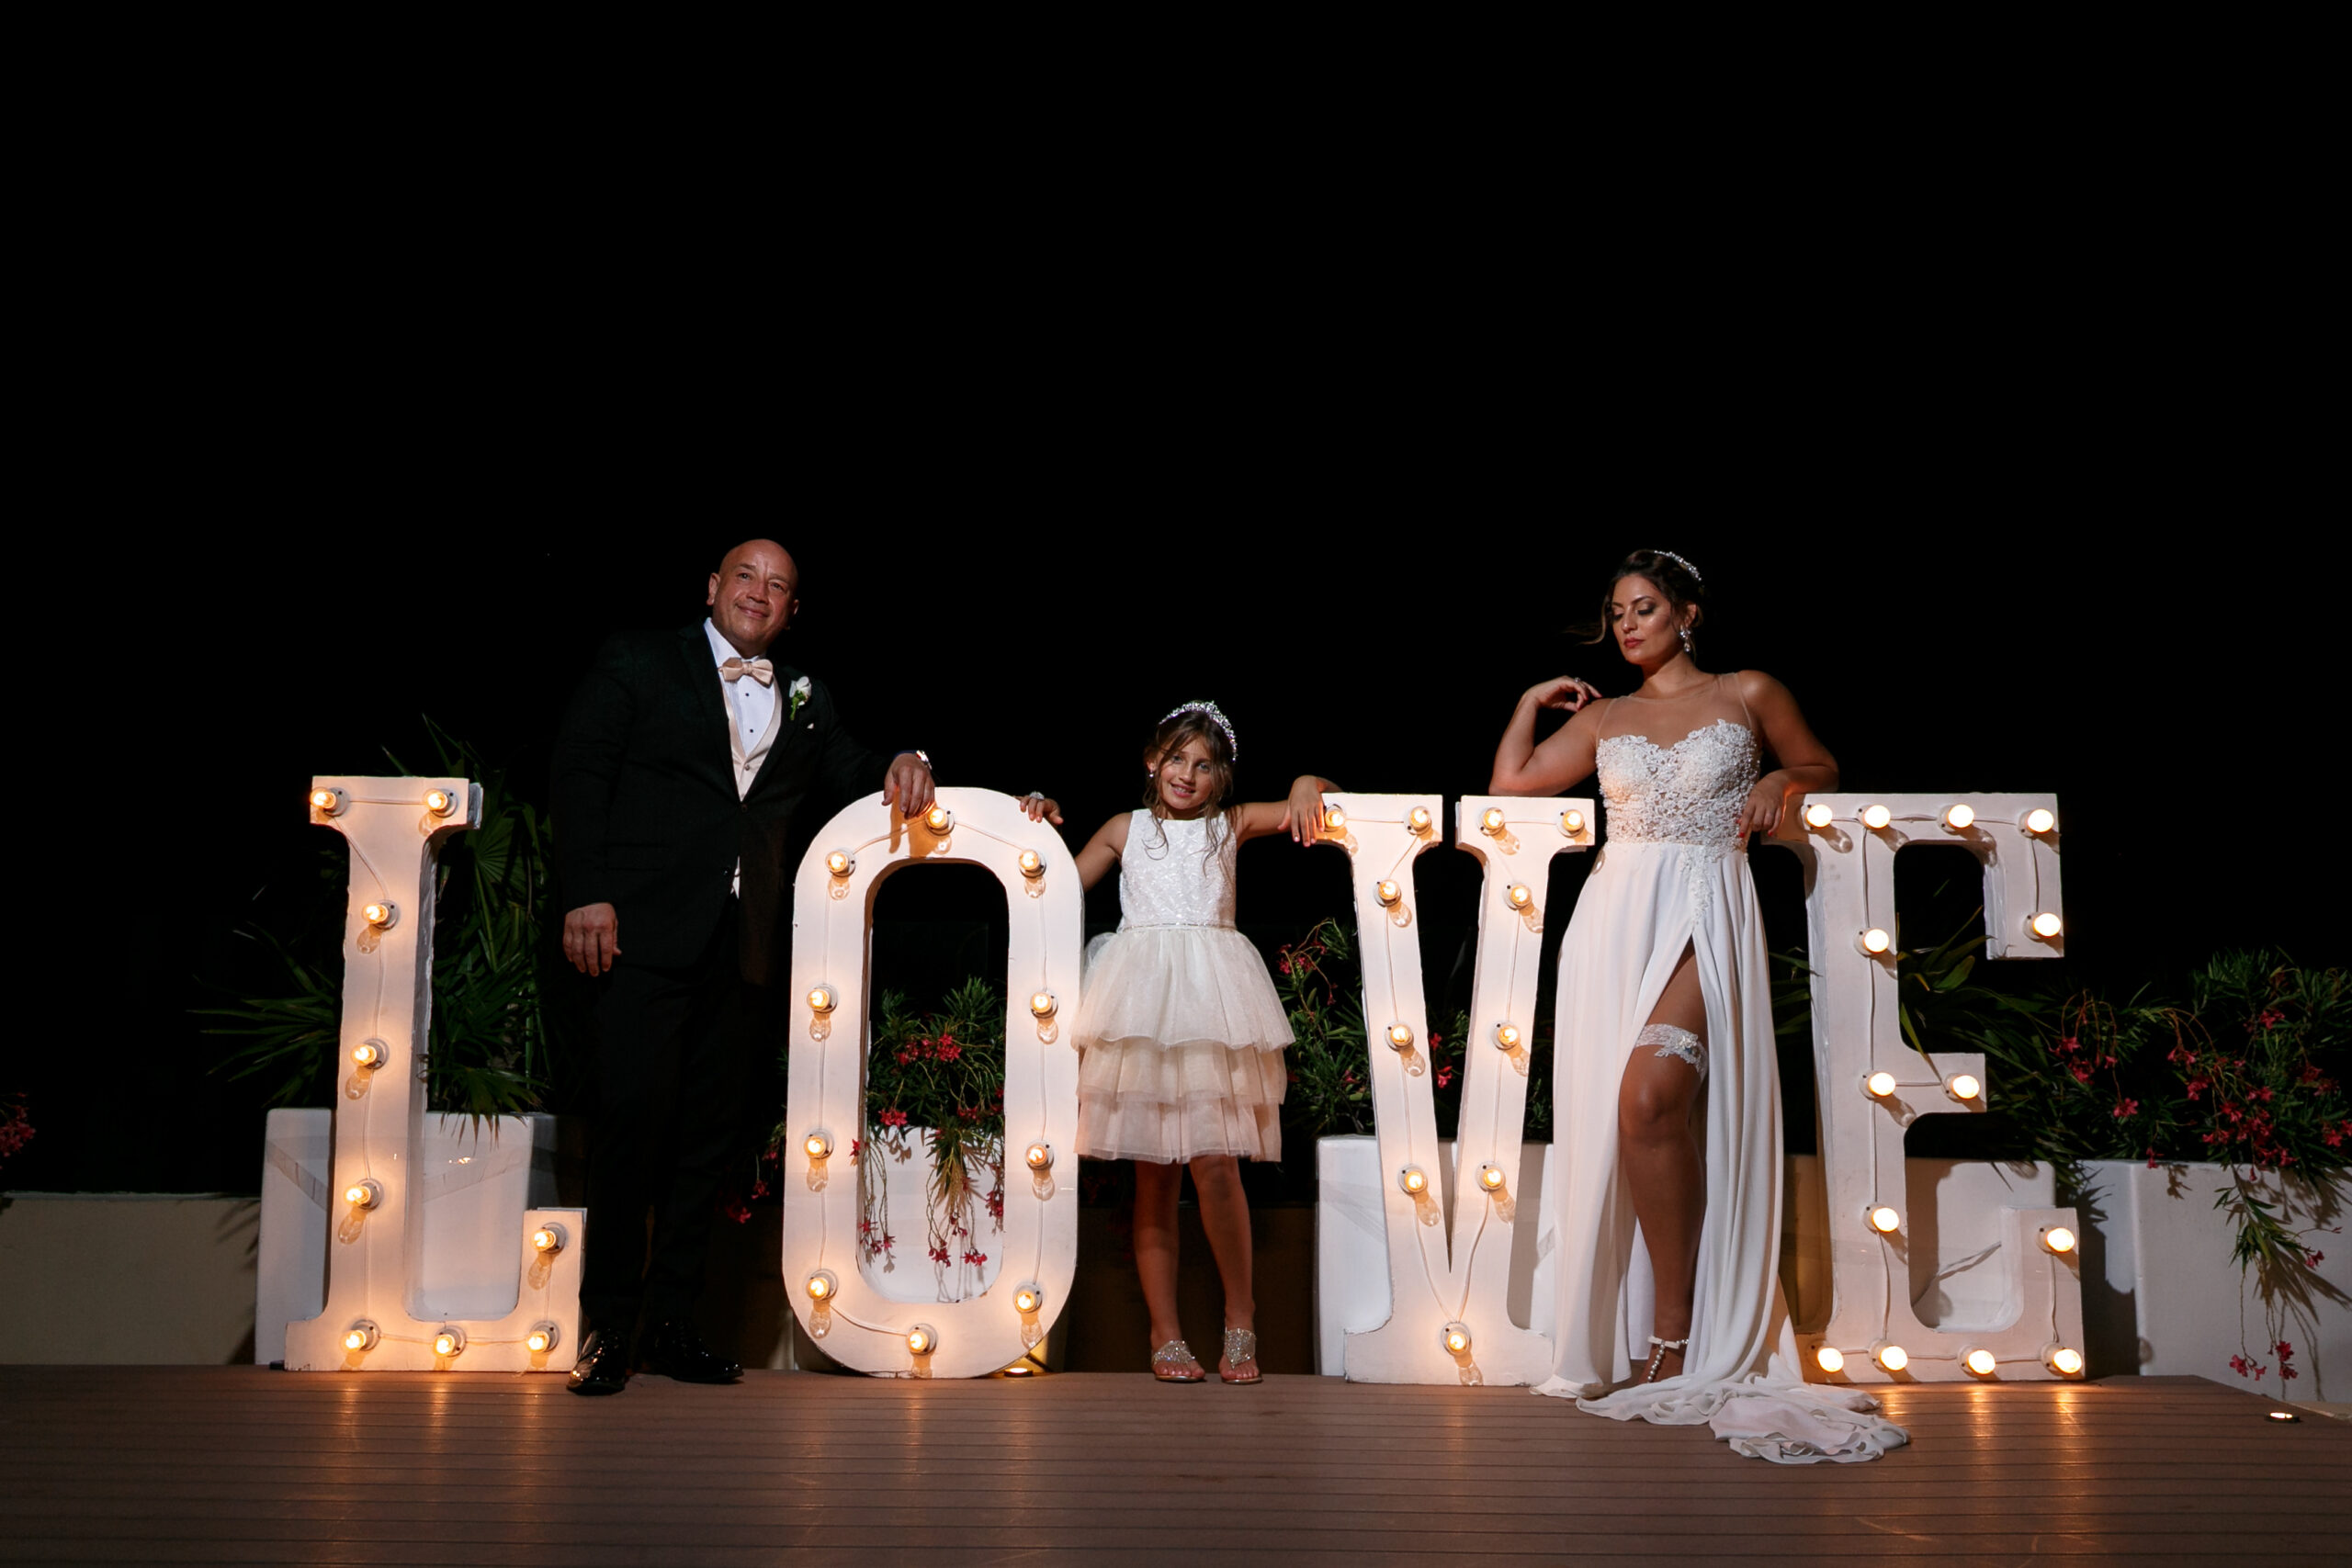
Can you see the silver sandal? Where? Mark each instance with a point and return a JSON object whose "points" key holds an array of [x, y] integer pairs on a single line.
{"points": [[1174, 1362], [1240, 1351]]}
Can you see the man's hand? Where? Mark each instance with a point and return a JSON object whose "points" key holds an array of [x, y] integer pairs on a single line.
{"points": [[592, 937], [908, 785]]}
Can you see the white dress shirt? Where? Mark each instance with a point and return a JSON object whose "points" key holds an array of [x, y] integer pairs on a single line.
{"points": [[751, 706]]}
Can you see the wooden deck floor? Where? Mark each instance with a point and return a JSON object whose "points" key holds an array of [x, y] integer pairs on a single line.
{"points": [[145, 1464]]}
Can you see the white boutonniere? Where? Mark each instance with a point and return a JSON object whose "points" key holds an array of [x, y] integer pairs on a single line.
{"points": [[798, 692]]}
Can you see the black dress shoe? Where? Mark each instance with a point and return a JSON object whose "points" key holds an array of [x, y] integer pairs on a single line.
{"points": [[675, 1350], [603, 1366]]}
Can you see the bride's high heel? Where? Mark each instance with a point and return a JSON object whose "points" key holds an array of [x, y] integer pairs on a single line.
{"points": [[1658, 1354]]}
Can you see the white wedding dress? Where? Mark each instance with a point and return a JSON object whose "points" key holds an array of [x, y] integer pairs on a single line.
{"points": [[1673, 876]]}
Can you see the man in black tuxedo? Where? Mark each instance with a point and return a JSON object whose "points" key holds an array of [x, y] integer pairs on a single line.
{"points": [[681, 764]]}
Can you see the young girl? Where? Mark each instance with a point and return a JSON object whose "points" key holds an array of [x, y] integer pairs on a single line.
{"points": [[1180, 1033]]}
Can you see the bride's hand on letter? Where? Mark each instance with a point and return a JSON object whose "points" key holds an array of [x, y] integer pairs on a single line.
{"points": [[1762, 813], [1041, 809], [1567, 692]]}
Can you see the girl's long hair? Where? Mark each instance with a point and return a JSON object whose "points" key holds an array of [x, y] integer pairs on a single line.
{"points": [[1174, 733]]}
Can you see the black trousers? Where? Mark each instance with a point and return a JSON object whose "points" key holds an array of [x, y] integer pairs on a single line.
{"points": [[677, 1052]]}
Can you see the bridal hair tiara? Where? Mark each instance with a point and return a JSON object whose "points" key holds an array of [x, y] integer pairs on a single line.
{"points": [[1669, 555], [1216, 714]]}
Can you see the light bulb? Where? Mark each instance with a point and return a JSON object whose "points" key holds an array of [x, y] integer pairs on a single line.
{"points": [[1879, 1085], [1387, 893], [1894, 1357], [548, 1238], [1028, 1299], [449, 1341], [1507, 1037], [1418, 819], [2058, 1238], [1964, 1086], [820, 1146], [822, 1285], [2064, 1360], [1980, 1361], [369, 1054], [1412, 1181], [1039, 1156], [1334, 819], [1885, 1220], [1818, 816], [1876, 816], [1958, 818], [1457, 1340], [360, 1337], [1572, 823], [820, 998], [841, 862], [922, 1339], [363, 1194], [2039, 821], [1032, 865], [1043, 1004], [1490, 1177], [440, 802], [1829, 1359], [1491, 823], [541, 1339], [2046, 925], [380, 916], [1400, 1037], [330, 801], [939, 819], [1874, 941], [1521, 895]]}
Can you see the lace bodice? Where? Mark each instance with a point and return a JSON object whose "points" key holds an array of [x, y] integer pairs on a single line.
{"points": [[1689, 792], [1166, 876]]}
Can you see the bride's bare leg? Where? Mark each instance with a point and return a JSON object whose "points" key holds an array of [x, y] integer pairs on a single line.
{"points": [[1157, 1187], [1659, 1156]]}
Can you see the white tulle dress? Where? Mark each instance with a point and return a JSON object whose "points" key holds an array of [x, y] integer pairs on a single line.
{"points": [[1673, 876], [1180, 1033]]}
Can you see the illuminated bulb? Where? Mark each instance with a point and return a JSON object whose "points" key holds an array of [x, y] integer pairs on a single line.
{"points": [[1418, 819], [1879, 1085], [1829, 1359], [1964, 1086], [1959, 816], [2047, 925], [1874, 941], [540, 1340], [2066, 1360], [2039, 821], [1028, 1299], [922, 1339], [440, 802], [1412, 1181], [330, 801], [1387, 893], [1032, 865], [1334, 819], [1571, 823], [1980, 1362], [449, 1341], [840, 863], [1521, 895], [820, 998], [380, 915], [2058, 1238], [369, 1054], [938, 818], [1400, 1037], [1490, 1177], [1457, 1340], [1885, 1220], [1492, 822], [822, 1285], [1894, 1357], [818, 1145], [1039, 1156], [1507, 1037], [1043, 1004], [363, 1194], [362, 1337], [547, 1238], [1876, 816], [1818, 816]]}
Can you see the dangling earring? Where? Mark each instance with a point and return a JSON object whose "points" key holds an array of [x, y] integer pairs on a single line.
{"points": [[1686, 643]]}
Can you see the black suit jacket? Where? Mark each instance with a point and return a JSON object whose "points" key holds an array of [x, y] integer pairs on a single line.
{"points": [[646, 814]]}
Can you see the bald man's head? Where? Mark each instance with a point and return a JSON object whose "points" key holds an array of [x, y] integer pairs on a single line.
{"points": [[754, 594]]}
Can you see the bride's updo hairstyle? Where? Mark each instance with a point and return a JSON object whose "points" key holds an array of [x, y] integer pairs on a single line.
{"points": [[1674, 579], [1176, 731]]}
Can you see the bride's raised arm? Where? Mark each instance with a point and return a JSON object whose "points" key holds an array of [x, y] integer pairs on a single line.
{"points": [[1522, 767]]}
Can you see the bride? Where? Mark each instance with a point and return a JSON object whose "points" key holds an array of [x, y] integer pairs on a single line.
{"points": [[1667, 1160]]}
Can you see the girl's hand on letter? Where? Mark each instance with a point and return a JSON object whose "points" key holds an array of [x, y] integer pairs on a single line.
{"points": [[1306, 818], [1568, 692], [1041, 809]]}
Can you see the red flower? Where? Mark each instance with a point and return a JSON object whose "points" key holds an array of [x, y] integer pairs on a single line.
{"points": [[894, 1118], [2198, 1086], [2314, 1260], [2124, 1108], [949, 1053], [939, 1253], [2263, 1093], [2082, 1073], [735, 1209], [975, 1258], [1445, 1076], [2272, 1017], [1437, 1039], [2151, 1159], [1285, 961], [905, 1057]]}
